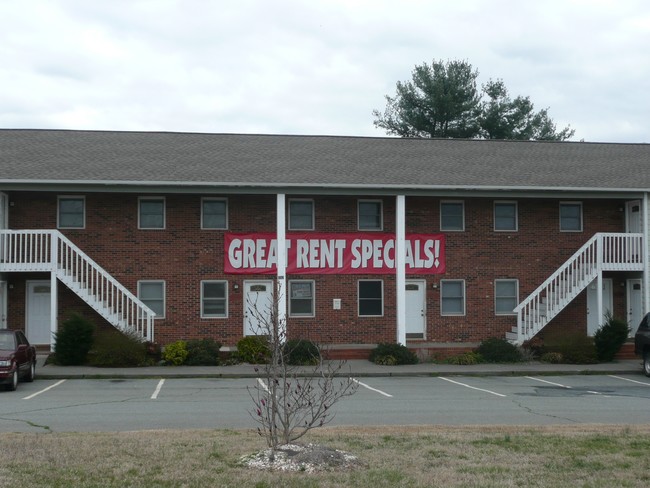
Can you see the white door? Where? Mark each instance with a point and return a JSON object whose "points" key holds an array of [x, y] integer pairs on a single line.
{"points": [[3, 304], [258, 306], [593, 322], [634, 305], [38, 315], [415, 309], [633, 216]]}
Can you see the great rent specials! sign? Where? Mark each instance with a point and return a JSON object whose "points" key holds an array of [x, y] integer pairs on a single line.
{"points": [[333, 253]]}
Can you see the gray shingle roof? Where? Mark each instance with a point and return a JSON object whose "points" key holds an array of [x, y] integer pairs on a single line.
{"points": [[320, 161]]}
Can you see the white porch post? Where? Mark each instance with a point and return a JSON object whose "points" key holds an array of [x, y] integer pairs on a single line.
{"points": [[54, 294], [645, 228], [281, 288], [400, 267]]}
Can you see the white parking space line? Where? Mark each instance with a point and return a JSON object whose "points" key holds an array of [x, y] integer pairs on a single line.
{"points": [[472, 387], [372, 389], [43, 390], [157, 390], [263, 385], [548, 382], [627, 379]]}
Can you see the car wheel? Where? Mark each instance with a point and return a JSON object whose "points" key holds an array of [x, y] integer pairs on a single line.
{"points": [[31, 373], [14, 382], [646, 363]]}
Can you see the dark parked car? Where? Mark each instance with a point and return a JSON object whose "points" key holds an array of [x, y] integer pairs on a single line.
{"points": [[642, 343], [17, 358]]}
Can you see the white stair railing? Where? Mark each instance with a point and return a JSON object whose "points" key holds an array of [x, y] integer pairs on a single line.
{"points": [[49, 250], [603, 252]]}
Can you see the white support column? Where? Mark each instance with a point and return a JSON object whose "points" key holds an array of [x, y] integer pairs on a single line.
{"points": [[400, 267], [599, 282], [645, 228], [281, 288], [54, 293]]}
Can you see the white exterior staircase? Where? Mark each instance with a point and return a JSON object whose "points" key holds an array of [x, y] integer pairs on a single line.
{"points": [[51, 251], [603, 252]]}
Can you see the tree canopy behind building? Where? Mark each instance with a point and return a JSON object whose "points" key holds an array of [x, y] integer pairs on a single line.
{"points": [[443, 100]]}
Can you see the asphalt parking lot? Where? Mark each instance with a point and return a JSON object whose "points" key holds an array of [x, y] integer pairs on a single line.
{"points": [[126, 404]]}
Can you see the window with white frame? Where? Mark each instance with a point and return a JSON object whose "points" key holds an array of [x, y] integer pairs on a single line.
{"points": [[72, 212], [371, 298], [505, 216], [370, 215], [151, 213], [506, 296], [301, 298], [301, 214], [152, 294], [214, 213], [452, 297], [214, 299], [571, 216], [452, 216]]}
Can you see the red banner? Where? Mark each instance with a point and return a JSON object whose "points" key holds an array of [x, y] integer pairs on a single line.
{"points": [[333, 253]]}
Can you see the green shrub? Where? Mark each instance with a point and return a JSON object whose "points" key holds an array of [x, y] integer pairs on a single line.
{"points": [[301, 352], [253, 349], [496, 350], [386, 360], [575, 348], [552, 357], [401, 353], [74, 340], [114, 349], [465, 359], [609, 338], [202, 352], [175, 353]]}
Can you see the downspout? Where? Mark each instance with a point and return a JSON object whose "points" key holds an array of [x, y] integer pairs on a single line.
{"points": [[281, 285], [400, 267], [646, 256]]}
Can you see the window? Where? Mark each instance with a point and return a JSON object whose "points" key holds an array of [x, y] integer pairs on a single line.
{"points": [[214, 299], [505, 216], [371, 302], [370, 215], [301, 298], [71, 213], [301, 215], [571, 216], [452, 216], [506, 296], [452, 296], [152, 294], [151, 213], [214, 213]]}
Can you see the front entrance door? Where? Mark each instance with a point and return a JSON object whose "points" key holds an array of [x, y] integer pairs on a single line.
{"points": [[415, 309], [634, 305], [593, 321], [633, 216], [258, 306], [3, 304], [38, 314]]}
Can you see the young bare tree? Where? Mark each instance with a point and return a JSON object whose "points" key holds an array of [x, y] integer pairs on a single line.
{"points": [[290, 400]]}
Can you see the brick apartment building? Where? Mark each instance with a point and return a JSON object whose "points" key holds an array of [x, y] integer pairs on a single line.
{"points": [[432, 243]]}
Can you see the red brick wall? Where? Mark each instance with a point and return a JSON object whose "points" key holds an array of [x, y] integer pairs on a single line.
{"points": [[183, 255]]}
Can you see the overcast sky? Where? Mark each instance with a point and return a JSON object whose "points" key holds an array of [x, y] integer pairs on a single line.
{"points": [[313, 66]]}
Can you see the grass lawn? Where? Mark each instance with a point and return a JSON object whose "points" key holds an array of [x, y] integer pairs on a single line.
{"points": [[422, 456]]}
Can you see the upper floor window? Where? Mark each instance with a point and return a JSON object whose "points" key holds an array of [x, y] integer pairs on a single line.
{"points": [[301, 298], [214, 213], [571, 216], [506, 296], [301, 215], [214, 299], [452, 216], [151, 213], [72, 213], [452, 297], [152, 294], [370, 215], [505, 216]]}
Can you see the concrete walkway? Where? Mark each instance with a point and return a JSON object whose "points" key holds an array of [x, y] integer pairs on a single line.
{"points": [[356, 368]]}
